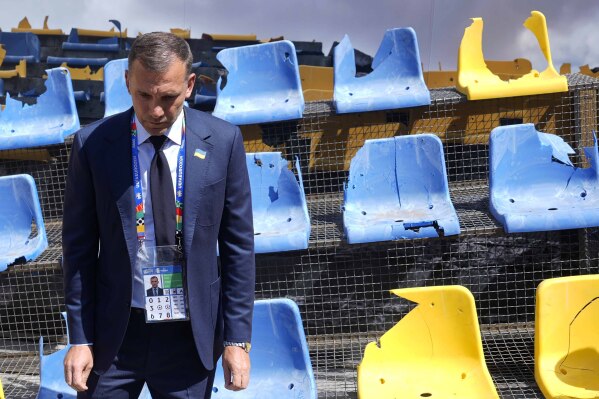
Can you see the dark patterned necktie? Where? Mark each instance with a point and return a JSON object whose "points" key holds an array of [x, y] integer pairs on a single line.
{"points": [[163, 196]]}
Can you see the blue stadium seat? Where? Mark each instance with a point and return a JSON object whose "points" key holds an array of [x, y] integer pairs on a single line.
{"points": [[116, 96], [52, 383], [20, 46], [19, 206], [110, 44], [395, 82], [53, 118], [262, 85], [75, 61], [281, 221], [535, 187], [397, 189], [281, 366]]}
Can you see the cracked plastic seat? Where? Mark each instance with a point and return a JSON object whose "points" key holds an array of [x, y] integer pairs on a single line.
{"points": [[109, 44], [397, 189], [535, 187], [567, 337], [281, 366], [477, 82], [116, 96], [262, 84], [395, 82], [53, 118], [434, 351], [281, 221], [19, 207], [20, 46]]}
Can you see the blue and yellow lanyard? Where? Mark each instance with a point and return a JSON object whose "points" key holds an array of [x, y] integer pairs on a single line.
{"points": [[139, 205]]}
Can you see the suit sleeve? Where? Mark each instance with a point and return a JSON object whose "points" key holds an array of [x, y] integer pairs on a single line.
{"points": [[236, 246], [80, 239]]}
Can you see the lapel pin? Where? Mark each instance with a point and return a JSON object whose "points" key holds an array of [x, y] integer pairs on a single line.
{"points": [[199, 153]]}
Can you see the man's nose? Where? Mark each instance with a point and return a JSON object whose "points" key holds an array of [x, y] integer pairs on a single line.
{"points": [[156, 111]]}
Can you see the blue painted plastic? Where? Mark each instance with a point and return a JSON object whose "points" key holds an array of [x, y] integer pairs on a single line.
{"points": [[281, 221], [395, 82], [281, 366], [263, 84], [53, 118], [74, 61], [20, 46], [110, 44], [19, 205], [116, 97], [535, 187], [397, 189]]}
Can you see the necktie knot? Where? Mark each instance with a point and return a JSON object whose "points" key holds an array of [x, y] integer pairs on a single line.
{"points": [[157, 141]]}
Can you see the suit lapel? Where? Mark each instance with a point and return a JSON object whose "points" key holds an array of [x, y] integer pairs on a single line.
{"points": [[119, 173], [197, 137]]}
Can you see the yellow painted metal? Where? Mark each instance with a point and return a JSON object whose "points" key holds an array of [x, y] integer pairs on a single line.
{"points": [[26, 154], [586, 70], [477, 81], [434, 351], [84, 73], [567, 337], [25, 26], [182, 33], [20, 70], [101, 33], [505, 70], [213, 36], [565, 68], [317, 82]]}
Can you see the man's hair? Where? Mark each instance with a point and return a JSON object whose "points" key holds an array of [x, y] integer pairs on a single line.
{"points": [[155, 51]]}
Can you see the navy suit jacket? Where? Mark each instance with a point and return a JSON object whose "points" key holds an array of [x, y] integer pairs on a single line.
{"points": [[100, 238]]}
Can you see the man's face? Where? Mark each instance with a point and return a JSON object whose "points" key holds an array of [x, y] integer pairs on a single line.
{"points": [[158, 97], [154, 282]]}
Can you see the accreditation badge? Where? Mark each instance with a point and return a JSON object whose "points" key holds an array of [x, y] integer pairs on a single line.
{"points": [[165, 293]]}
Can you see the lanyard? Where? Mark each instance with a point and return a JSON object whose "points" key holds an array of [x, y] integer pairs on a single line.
{"points": [[139, 205]]}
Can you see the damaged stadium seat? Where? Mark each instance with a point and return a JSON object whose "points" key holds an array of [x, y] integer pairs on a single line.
{"points": [[535, 187], [281, 221], [435, 351], [53, 118], [395, 82], [262, 85], [116, 96], [477, 82], [397, 189], [567, 337], [20, 46], [19, 207], [281, 366], [109, 44]]}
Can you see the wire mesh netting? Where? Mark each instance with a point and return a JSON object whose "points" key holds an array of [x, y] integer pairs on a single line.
{"points": [[343, 290]]}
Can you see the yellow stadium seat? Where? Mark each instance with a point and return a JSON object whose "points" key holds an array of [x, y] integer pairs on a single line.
{"points": [[182, 33], [1, 391], [101, 33], [25, 26], [567, 337], [434, 351], [317, 82], [20, 69], [477, 81]]}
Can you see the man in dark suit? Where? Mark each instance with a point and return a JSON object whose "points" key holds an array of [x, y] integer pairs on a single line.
{"points": [[155, 290], [114, 351]]}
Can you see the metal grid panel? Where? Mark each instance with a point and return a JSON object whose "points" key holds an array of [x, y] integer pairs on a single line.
{"points": [[342, 289]]}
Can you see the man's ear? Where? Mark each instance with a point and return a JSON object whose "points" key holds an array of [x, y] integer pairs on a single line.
{"points": [[127, 80], [190, 82]]}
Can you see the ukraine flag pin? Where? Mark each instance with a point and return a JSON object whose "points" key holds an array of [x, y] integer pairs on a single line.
{"points": [[200, 153]]}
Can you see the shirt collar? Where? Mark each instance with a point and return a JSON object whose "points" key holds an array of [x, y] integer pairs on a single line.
{"points": [[173, 132]]}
